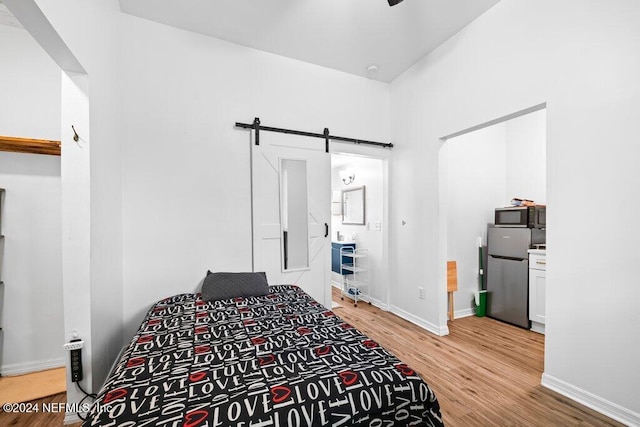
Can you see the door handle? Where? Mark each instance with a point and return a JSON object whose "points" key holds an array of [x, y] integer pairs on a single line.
{"points": [[326, 230], [285, 247]]}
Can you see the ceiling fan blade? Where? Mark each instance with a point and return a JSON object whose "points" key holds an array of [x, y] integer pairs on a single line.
{"points": [[394, 2]]}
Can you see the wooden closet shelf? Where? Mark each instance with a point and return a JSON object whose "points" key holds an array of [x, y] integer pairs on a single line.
{"points": [[28, 145]]}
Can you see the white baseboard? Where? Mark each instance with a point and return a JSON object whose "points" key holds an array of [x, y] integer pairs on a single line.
{"points": [[71, 417], [592, 401], [28, 367], [441, 331], [467, 312], [537, 327], [435, 329], [377, 303]]}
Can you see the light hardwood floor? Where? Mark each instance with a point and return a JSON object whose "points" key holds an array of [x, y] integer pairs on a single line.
{"points": [[484, 373], [40, 418]]}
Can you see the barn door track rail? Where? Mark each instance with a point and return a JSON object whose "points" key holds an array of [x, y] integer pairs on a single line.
{"points": [[257, 127]]}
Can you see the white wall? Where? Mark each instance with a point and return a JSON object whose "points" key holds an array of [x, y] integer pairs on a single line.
{"points": [[76, 230], [31, 305], [186, 175], [29, 87], [582, 59], [485, 169], [168, 173], [91, 184], [369, 172], [526, 168], [180, 148], [476, 183], [32, 313]]}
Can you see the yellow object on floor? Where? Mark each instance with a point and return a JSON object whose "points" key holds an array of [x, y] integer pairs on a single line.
{"points": [[452, 284], [28, 387]]}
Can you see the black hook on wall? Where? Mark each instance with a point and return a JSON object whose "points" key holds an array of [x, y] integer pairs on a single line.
{"points": [[75, 134], [256, 127]]}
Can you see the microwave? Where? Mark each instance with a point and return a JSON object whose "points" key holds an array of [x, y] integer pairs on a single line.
{"points": [[521, 216]]}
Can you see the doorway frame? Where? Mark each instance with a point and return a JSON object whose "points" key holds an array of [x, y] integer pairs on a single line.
{"points": [[385, 156], [443, 199]]}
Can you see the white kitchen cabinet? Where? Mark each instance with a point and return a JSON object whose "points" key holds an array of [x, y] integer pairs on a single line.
{"points": [[537, 289]]}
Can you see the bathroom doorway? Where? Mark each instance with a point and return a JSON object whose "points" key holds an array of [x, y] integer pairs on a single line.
{"points": [[355, 172]]}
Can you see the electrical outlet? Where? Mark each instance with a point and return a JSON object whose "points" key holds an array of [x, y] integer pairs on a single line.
{"points": [[73, 345], [421, 293], [76, 365]]}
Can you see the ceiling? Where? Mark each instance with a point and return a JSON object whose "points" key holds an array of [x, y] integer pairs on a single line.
{"points": [[7, 18], [345, 35]]}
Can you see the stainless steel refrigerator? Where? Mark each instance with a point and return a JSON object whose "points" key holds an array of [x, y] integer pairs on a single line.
{"points": [[508, 272]]}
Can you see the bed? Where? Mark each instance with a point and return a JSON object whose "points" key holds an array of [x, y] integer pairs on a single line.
{"points": [[279, 359]]}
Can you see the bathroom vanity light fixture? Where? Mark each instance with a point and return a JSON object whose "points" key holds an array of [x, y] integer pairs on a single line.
{"points": [[348, 176]]}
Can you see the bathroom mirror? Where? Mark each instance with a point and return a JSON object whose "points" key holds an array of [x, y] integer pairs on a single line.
{"points": [[294, 215], [353, 206]]}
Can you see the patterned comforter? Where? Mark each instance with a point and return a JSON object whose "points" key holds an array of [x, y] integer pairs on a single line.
{"points": [[276, 360]]}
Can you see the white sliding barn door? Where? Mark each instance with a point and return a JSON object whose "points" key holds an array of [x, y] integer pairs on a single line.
{"points": [[291, 211]]}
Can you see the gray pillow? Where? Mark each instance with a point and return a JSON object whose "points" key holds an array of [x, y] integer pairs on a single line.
{"points": [[217, 286]]}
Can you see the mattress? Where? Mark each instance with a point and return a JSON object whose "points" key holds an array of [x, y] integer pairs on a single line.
{"points": [[276, 360]]}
